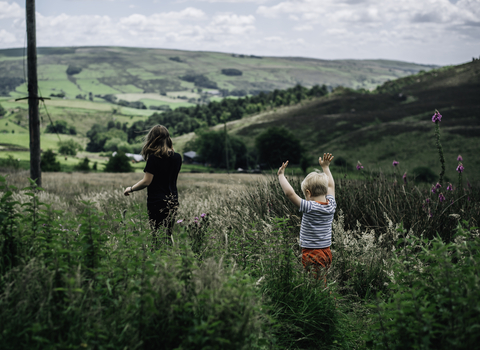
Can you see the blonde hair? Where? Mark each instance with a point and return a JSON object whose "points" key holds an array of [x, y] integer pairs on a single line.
{"points": [[158, 143], [316, 182]]}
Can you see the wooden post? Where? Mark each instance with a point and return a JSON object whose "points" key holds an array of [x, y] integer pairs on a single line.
{"points": [[33, 120]]}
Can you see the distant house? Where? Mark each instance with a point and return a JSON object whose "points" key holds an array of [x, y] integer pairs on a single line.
{"points": [[189, 157], [136, 158]]}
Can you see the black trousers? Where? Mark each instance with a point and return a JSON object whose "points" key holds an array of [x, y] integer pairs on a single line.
{"points": [[162, 214]]}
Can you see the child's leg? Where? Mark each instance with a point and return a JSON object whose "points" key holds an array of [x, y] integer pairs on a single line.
{"points": [[319, 260]]}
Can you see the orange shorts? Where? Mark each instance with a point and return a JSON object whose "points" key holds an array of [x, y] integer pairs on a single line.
{"points": [[316, 260]]}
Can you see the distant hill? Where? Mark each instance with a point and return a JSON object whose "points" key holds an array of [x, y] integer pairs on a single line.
{"points": [[393, 123], [79, 71]]}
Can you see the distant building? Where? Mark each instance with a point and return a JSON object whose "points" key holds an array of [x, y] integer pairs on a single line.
{"points": [[189, 157], [136, 158]]}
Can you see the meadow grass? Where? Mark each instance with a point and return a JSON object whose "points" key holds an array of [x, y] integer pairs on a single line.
{"points": [[231, 278]]}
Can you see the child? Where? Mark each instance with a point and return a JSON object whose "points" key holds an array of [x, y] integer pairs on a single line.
{"points": [[318, 209]]}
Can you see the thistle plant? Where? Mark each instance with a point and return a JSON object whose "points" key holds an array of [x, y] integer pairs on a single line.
{"points": [[437, 118]]}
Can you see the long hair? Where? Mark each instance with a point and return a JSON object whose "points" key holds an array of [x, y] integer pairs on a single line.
{"points": [[158, 143]]}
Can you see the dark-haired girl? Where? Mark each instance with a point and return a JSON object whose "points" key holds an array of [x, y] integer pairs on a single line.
{"points": [[160, 178]]}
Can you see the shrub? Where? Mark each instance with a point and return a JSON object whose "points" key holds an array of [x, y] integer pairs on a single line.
{"points": [[69, 147], [424, 174], [10, 162], [435, 301], [72, 69], [119, 163], [83, 165], [49, 162], [231, 72]]}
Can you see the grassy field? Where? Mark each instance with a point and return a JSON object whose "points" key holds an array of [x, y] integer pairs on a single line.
{"points": [[116, 70], [81, 268]]}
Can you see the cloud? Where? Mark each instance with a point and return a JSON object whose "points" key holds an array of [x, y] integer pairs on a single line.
{"points": [[11, 11], [7, 38]]}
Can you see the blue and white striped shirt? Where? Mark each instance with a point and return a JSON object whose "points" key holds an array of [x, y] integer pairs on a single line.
{"points": [[316, 228]]}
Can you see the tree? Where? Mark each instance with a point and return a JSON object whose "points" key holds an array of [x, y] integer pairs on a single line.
{"points": [[2, 111], [119, 163], [61, 127], [210, 145], [83, 165], [69, 147], [277, 145], [48, 162]]}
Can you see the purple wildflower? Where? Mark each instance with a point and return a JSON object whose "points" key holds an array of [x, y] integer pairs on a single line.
{"points": [[179, 221], [427, 200], [460, 168], [449, 187], [359, 165], [434, 189], [405, 178], [437, 117], [203, 215], [459, 158], [395, 163], [438, 185], [441, 198]]}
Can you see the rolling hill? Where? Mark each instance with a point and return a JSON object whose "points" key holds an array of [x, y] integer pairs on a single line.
{"points": [[143, 74], [394, 123]]}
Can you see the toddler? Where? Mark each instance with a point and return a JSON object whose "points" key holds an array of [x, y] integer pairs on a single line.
{"points": [[318, 209]]}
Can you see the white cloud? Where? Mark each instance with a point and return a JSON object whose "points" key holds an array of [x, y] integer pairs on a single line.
{"points": [[10, 11], [7, 38], [303, 28]]}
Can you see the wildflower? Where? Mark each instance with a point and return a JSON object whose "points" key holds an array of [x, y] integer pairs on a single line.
{"points": [[359, 165], [459, 158], [434, 189], [395, 163], [449, 187], [179, 221], [460, 168], [405, 178], [438, 185], [441, 198], [437, 117], [203, 215], [427, 200]]}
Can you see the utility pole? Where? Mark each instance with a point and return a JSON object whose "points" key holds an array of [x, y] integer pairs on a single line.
{"points": [[226, 148], [33, 120]]}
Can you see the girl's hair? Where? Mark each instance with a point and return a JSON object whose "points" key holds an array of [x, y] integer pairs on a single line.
{"points": [[316, 182], [157, 142]]}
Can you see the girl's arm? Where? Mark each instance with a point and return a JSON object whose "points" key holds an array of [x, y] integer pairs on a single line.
{"points": [[140, 185], [286, 187]]}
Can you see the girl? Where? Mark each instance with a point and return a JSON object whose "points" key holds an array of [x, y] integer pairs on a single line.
{"points": [[160, 178]]}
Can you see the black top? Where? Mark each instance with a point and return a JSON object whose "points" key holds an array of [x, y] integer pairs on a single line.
{"points": [[165, 173]]}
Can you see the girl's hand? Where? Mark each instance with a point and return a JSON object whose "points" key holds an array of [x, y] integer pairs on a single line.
{"points": [[281, 170], [325, 162], [127, 191]]}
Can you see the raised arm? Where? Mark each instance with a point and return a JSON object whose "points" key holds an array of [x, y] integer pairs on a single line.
{"points": [[286, 187], [325, 164]]}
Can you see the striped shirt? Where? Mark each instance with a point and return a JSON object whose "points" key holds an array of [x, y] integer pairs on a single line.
{"points": [[316, 228]]}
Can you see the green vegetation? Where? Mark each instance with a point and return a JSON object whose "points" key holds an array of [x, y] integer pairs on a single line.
{"points": [[69, 147], [48, 162], [277, 145], [118, 163]]}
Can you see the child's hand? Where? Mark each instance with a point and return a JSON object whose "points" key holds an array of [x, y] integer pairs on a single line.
{"points": [[325, 162], [281, 170]]}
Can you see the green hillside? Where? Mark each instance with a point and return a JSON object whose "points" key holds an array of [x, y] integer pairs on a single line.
{"points": [[79, 71], [393, 123]]}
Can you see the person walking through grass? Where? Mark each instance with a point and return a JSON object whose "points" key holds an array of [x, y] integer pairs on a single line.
{"points": [[160, 178], [318, 209]]}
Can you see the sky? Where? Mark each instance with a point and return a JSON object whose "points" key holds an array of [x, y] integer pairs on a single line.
{"points": [[438, 32]]}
